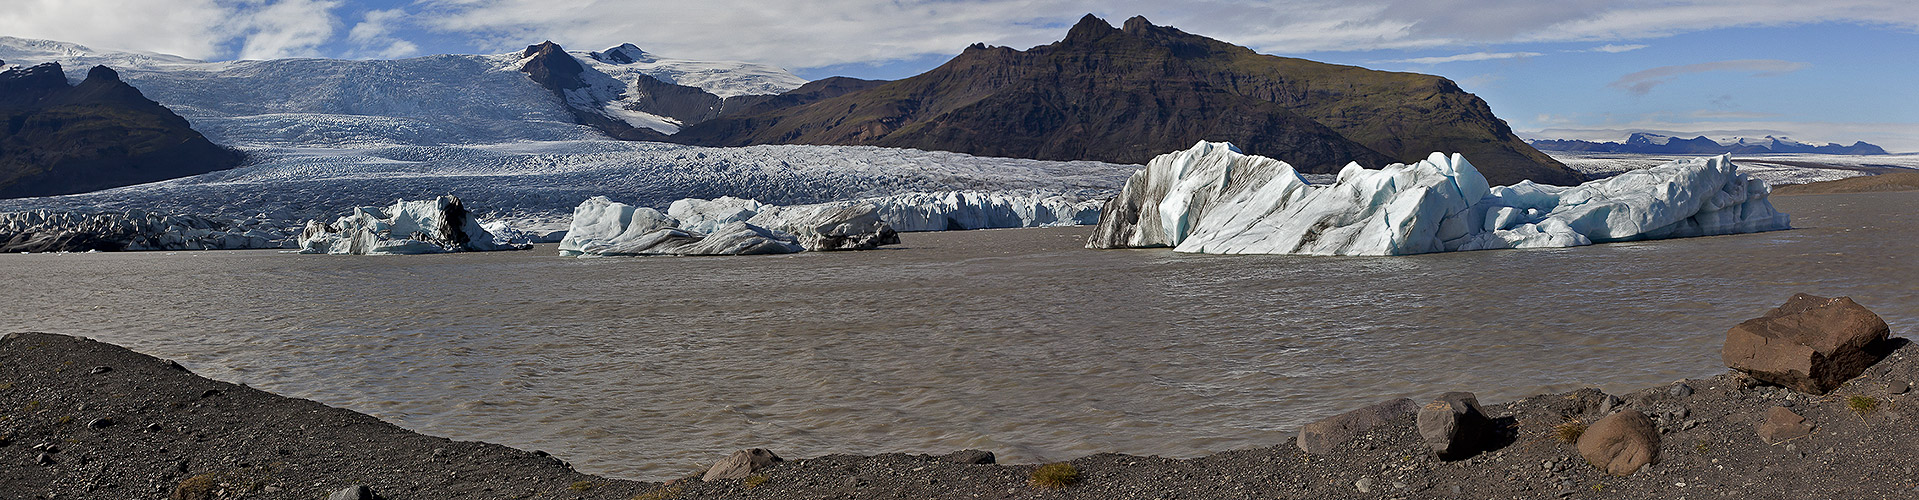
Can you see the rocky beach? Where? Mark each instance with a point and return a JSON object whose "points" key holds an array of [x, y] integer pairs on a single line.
{"points": [[85, 419]]}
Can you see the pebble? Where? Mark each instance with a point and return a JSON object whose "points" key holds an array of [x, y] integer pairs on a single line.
{"points": [[152, 428], [355, 492], [1898, 387], [43, 459], [1681, 390], [99, 370], [100, 423], [1364, 484]]}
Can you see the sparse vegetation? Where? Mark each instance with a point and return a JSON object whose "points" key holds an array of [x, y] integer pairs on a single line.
{"points": [[1862, 405], [754, 481], [1569, 432], [201, 487], [582, 486], [1054, 476]]}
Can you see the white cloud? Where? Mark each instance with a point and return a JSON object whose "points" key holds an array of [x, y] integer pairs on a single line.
{"points": [[1615, 48], [1476, 56], [1642, 82], [200, 29], [373, 36]]}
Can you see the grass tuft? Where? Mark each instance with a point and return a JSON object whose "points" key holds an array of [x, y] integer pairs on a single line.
{"points": [[582, 486], [1862, 404], [1054, 476], [756, 480], [663, 493], [201, 487], [1569, 432]]}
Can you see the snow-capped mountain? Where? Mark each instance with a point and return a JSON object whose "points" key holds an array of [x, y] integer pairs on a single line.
{"points": [[1651, 143], [429, 100]]}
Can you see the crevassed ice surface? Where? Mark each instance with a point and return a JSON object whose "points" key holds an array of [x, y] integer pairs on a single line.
{"points": [[1213, 199], [429, 100], [534, 184]]}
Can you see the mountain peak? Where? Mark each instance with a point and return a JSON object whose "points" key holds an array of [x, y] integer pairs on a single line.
{"points": [[1089, 28], [1136, 25], [546, 47], [103, 74], [626, 53]]}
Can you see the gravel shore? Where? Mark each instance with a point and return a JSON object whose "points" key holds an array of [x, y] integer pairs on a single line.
{"points": [[86, 419]]}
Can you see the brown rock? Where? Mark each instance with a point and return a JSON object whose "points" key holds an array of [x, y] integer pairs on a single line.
{"points": [[1329, 433], [1621, 443], [741, 464], [1811, 344], [1454, 427], [1782, 425]]}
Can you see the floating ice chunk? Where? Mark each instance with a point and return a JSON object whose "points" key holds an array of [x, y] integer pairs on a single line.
{"points": [[439, 225], [1213, 199], [131, 230]]}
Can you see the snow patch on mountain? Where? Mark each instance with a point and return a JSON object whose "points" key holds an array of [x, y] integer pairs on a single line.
{"points": [[721, 78]]}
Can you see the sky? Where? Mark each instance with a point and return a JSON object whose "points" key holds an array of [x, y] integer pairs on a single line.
{"points": [[1817, 71]]}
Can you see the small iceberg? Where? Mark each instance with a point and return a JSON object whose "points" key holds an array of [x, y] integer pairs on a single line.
{"points": [[130, 230], [1214, 199], [439, 225]]}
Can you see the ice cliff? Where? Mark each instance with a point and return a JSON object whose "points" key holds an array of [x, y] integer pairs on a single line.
{"points": [[438, 225], [1213, 199], [66, 231]]}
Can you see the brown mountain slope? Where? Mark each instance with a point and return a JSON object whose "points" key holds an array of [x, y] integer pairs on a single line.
{"points": [[59, 139], [1126, 95]]}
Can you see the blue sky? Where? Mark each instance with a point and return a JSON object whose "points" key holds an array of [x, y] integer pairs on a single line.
{"points": [[1834, 70]]}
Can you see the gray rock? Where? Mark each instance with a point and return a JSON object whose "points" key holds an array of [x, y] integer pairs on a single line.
{"points": [[99, 370], [1329, 433], [43, 459], [355, 492], [100, 423], [1897, 387], [741, 464], [1364, 484], [1680, 390], [1454, 427], [969, 457], [1611, 403]]}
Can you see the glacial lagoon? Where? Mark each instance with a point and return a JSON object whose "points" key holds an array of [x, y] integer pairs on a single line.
{"points": [[1020, 342]]}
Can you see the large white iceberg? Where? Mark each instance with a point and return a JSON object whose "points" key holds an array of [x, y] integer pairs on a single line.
{"points": [[439, 225], [603, 227], [1213, 199]]}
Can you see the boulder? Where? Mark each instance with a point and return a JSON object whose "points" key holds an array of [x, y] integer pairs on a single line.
{"points": [[1783, 425], [970, 457], [1621, 443], [1454, 426], [1329, 433], [355, 492], [741, 464], [1811, 344]]}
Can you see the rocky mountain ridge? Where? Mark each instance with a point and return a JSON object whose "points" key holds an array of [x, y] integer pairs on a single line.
{"points": [[63, 139], [1650, 143]]}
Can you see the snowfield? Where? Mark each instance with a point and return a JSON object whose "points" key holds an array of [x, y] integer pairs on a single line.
{"points": [[1775, 169]]}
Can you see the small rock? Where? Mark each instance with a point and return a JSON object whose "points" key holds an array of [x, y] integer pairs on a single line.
{"points": [[100, 423], [1783, 426], [1364, 484], [1898, 387], [355, 492], [172, 364], [43, 459], [1329, 433], [969, 457], [1680, 390], [741, 464], [1454, 427], [209, 393], [151, 428], [1621, 443], [1811, 344], [1611, 403], [99, 370]]}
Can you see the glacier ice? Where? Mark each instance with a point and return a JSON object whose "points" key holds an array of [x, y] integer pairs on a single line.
{"points": [[603, 227], [439, 225], [129, 230], [1213, 199]]}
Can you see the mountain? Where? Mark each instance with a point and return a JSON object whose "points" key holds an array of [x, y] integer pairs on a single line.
{"points": [[1650, 143], [1128, 94], [103, 133], [423, 101]]}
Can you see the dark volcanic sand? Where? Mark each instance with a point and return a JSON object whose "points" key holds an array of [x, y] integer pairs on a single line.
{"points": [[251, 444]]}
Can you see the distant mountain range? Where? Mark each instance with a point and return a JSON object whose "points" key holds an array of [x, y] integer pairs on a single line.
{"points": [[63, 139], [1102, 93], [1649, 143]]}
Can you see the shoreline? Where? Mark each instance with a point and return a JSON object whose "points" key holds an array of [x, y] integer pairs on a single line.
{"points": [[170, 430]]}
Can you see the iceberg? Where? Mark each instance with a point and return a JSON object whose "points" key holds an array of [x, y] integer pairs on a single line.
{"points": [[439, 225], [603, 227], [1214, 199], [130, 230]]}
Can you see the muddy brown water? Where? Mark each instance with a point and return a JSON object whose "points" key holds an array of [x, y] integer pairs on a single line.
{"points": [[1015, 341]]}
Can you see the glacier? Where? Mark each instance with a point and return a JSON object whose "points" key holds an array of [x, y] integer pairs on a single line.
{"points": [[439, 225], [128, 230], [1214, 199]]}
